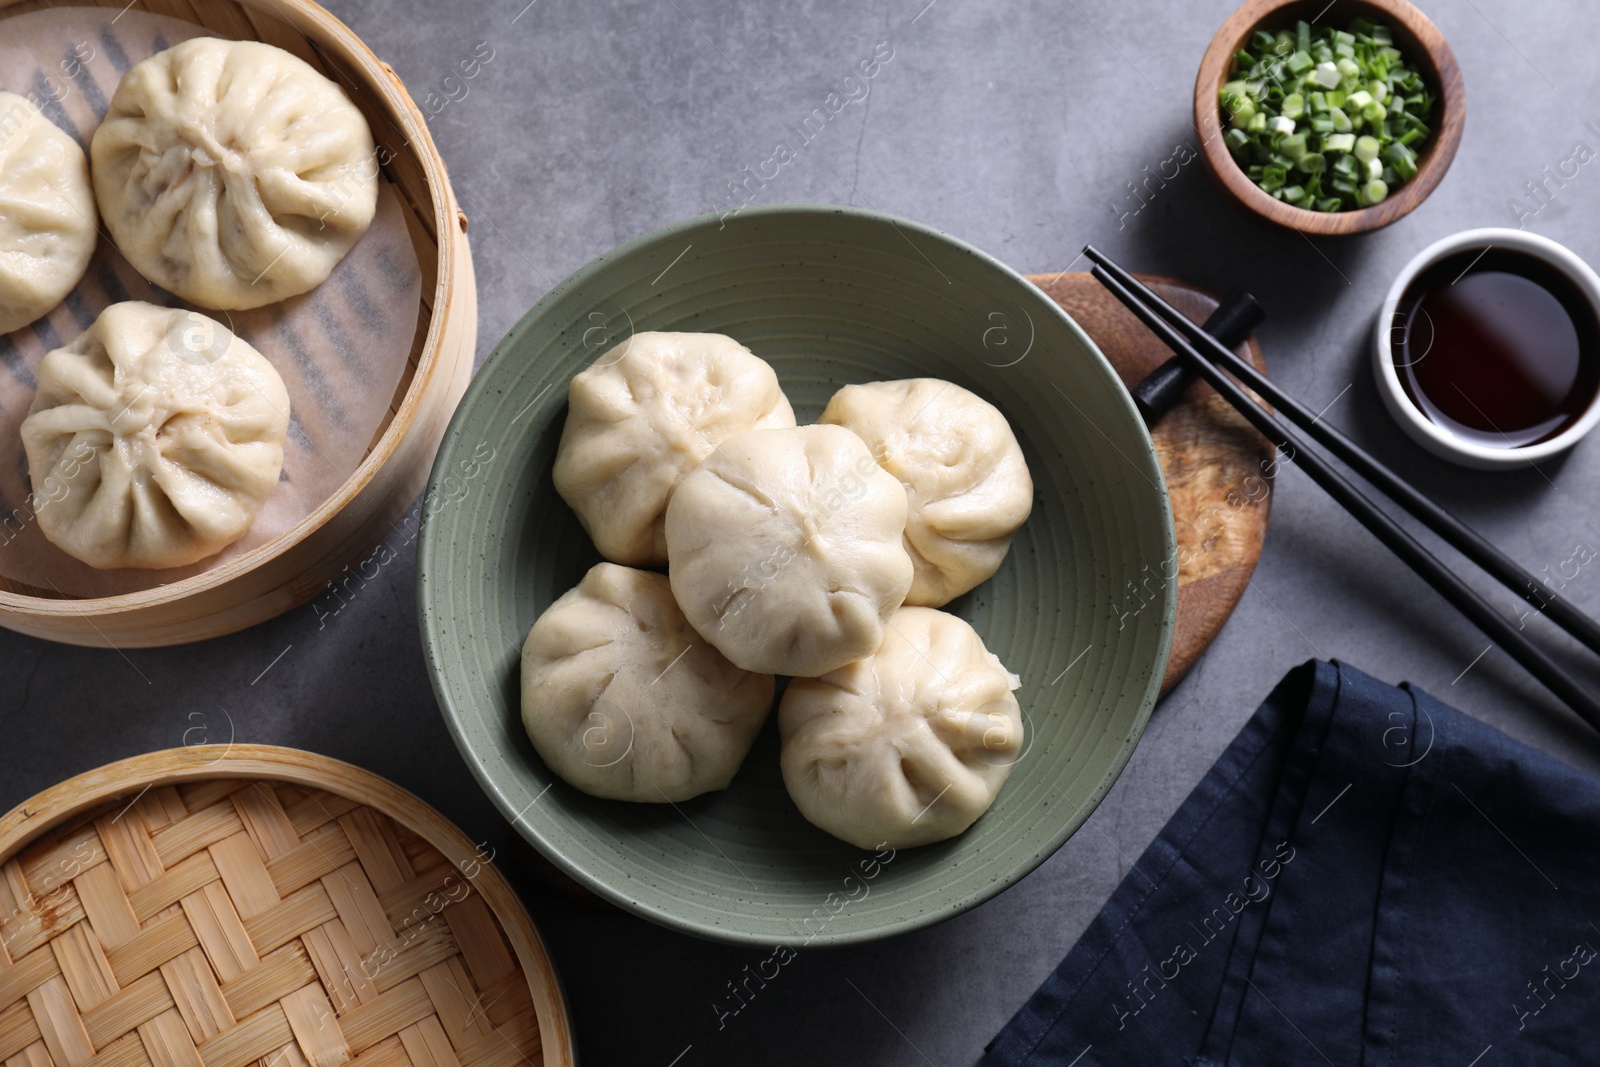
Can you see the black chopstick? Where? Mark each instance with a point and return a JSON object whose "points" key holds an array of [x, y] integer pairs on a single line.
{"points": [[1393, 536], [1450, 529]]}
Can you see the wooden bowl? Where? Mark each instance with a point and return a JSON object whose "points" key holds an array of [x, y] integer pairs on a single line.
{"points": [[244, 904], [1415, 35], [300, 563]]}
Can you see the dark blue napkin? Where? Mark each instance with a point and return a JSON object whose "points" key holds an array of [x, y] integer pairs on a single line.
{"points": [[1366, 876]]}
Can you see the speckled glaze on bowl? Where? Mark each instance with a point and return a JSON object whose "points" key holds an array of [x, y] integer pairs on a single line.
{"points": [[829, 296]]}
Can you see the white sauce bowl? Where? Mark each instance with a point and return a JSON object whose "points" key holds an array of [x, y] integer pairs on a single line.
{"points": [[1429, 434]]}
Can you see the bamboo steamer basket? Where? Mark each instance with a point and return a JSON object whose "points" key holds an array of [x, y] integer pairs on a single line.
{"points": [[299, 564], [235, 905]]}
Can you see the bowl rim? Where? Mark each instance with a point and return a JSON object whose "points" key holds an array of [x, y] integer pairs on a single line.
{"points": [[1429, 434], [428, 617], [318, 25], [1439, 152]]}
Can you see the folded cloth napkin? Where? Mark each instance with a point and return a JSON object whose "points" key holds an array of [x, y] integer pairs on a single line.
{"points": [[1367, 876]]}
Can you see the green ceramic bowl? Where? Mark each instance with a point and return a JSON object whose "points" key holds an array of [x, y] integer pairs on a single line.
{"points": [[828, 296]]}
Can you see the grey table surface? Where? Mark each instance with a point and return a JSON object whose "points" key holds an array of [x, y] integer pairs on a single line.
{"points": [[1018, 127]]}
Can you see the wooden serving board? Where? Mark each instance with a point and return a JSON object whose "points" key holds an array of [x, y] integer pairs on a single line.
{"points": [[1218, 468]]}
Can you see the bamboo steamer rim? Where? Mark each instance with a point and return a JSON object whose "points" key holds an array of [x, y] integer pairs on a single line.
{"points": [[231, 762], [337, 44]]}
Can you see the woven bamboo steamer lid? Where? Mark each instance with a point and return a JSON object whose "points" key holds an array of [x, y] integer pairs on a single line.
{"points": [[227, 906], [293, 568]]}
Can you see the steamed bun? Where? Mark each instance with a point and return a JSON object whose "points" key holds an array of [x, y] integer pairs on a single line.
{"points": [[963, 471], [47, 216], [622, 698], [232, 173], [646, 414], [909, 746], [154, 439], [785, 549]]}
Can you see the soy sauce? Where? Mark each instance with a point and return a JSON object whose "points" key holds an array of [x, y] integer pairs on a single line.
{"points": [[1498, 347]]}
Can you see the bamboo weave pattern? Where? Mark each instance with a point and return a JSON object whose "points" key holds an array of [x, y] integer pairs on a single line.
{"points": [[226, 923]]}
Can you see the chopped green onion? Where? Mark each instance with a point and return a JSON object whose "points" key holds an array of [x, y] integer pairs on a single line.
{"points": [[1403, 160], [1340, 110]]}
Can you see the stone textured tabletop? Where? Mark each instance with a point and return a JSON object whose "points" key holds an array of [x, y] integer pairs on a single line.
{"points": [[1022, 128]]}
